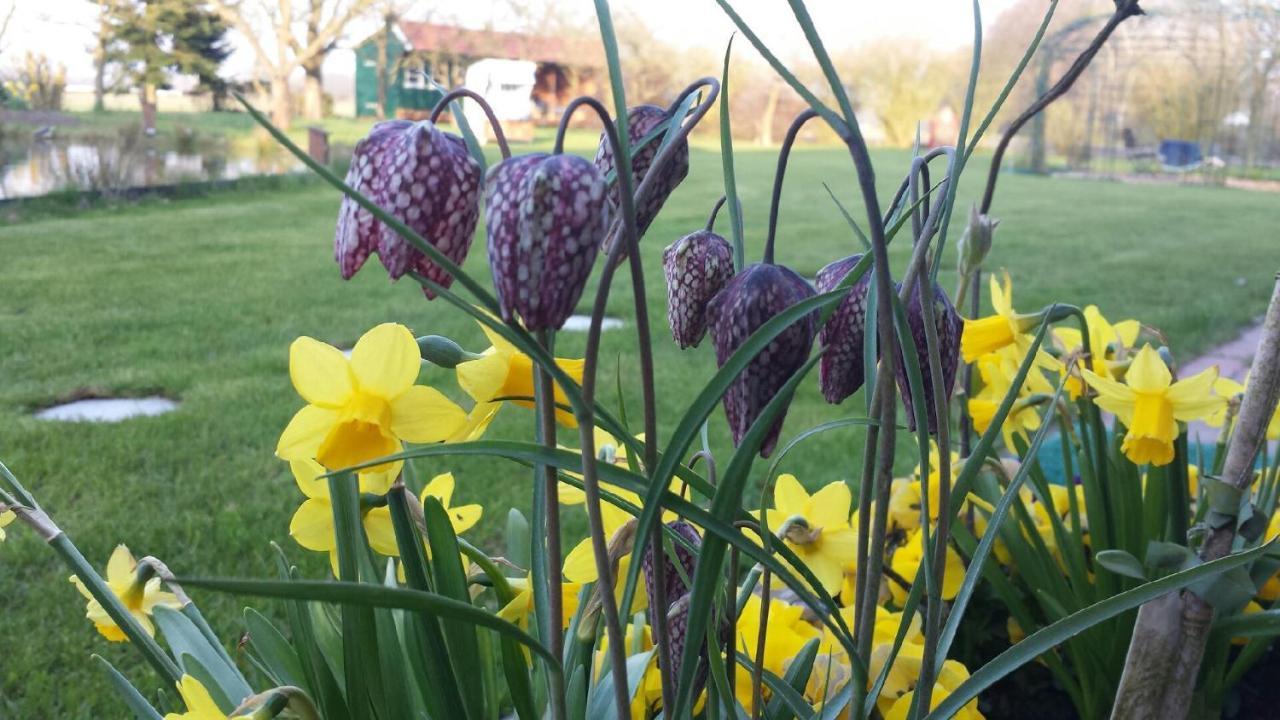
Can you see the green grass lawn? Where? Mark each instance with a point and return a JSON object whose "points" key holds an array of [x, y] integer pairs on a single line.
{"points": [[199, 299]]}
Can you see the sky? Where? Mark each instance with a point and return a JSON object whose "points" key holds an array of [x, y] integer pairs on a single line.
{"points": [[63, 29]]}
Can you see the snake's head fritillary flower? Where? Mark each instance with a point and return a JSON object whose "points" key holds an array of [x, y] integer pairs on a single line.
{"points": [[949, 327], [363, 408], [140, 593], [357, 230], [1151, 405], [677, 565], [749, 300], [840, 372], [424, 177], [697, 266], [546, 217], [641, 121]]}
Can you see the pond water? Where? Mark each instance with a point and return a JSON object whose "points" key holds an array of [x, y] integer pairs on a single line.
{"points": [[41, 167]]}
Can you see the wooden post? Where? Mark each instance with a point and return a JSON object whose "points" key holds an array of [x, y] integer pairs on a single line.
{"points": [[318, 144]]}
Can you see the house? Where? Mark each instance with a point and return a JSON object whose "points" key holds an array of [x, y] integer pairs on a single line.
{"points": [[557, 69]]}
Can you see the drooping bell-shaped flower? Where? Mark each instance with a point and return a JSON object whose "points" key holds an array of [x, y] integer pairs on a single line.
{"points": [[678, 564], [642, 120], [841, 370], [697, 266], [949, 328], [751, 298], [426, 179], [546, 217], [358, 231]]}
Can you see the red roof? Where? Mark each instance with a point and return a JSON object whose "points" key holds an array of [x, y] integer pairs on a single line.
{"points": [[492, 43]]}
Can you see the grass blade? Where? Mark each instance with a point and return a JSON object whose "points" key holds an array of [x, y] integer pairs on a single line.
{"points": [[726, 160]]}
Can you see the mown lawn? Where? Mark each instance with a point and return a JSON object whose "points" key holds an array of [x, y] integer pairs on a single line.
{"points": [[199, 300]]}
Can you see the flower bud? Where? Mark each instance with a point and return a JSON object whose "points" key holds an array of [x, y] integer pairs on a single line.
{"points": [[949, 328], [840, 372], [750, 299], [426, 179], [546, 217], [975, 242], [641, 120], [444, 352], [685, 557], [697, 266]]}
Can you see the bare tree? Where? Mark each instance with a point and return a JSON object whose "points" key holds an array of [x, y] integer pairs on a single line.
{"points": [[4, 24], [324, 22]]}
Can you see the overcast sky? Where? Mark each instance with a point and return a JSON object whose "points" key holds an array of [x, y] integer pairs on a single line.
{"points": [[63, 29]]}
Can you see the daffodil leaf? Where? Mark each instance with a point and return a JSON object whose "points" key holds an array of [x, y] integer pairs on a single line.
{"points": [[784, 695], [358, 631], [1049, 637], [277, 657], [186, 641], [783, 705], [451, 582], [1121, 563], [321, 684], [600, 702], [142, 709], [1260, 624]]}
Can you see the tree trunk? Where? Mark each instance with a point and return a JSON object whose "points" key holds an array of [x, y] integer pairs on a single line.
{"points": [[99, 83], [281, 102], [313, 90], [766, 117], [147, 99]]}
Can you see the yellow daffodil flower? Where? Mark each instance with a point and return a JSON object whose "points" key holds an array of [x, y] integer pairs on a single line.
{"points": [[949, 678], [580, 564], [478, 420], [505, 372], [312, 523], [200, 705], [1229, 389], [998, 371], [647, 696], [520, 608], [139, 598], [1150, 405], [786, 634], [463, 517], [1108, 343], [363, 408], [815, 527], [1004, 328], [906, 563], [6, 517]]}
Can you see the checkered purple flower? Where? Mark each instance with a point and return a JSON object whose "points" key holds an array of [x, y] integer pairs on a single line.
{"points": [[751, 298], [546, 218], [642, 120], [949, 328], [697, 267], [840, 372], [425, 178]]}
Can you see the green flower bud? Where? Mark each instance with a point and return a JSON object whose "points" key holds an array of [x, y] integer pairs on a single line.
{"points": [[441, 351], [975, 243]]}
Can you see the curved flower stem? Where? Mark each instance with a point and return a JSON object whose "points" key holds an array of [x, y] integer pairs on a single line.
{"points": [[1125, 9], [715, 212], [784, 153], [586, 420], [544, 399], [494, 125]]}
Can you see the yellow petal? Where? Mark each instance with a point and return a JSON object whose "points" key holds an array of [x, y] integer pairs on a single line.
{"points": [[465, 517], [312, 525], [1127, 331], [197, 699], [1002, 296], [1113, 397], [1192, 397], [379, 483], [789, 497], [320, 373], [386, 360], [478, 420], [424, 415], [483, 379], [306, 473], [830, 505], [580, 563], [440, 488], [305, 433], [380, 531], [1148, 373], [121, 566], [353, 442]]}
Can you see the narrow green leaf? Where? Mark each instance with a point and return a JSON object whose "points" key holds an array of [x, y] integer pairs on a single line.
{"points": [[320, 682], [726, 161], [784, 695], [1047, 638], [277, 656], [782, 706], [184, 637], [142, 709], [451, 582], [1121, 563]]}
